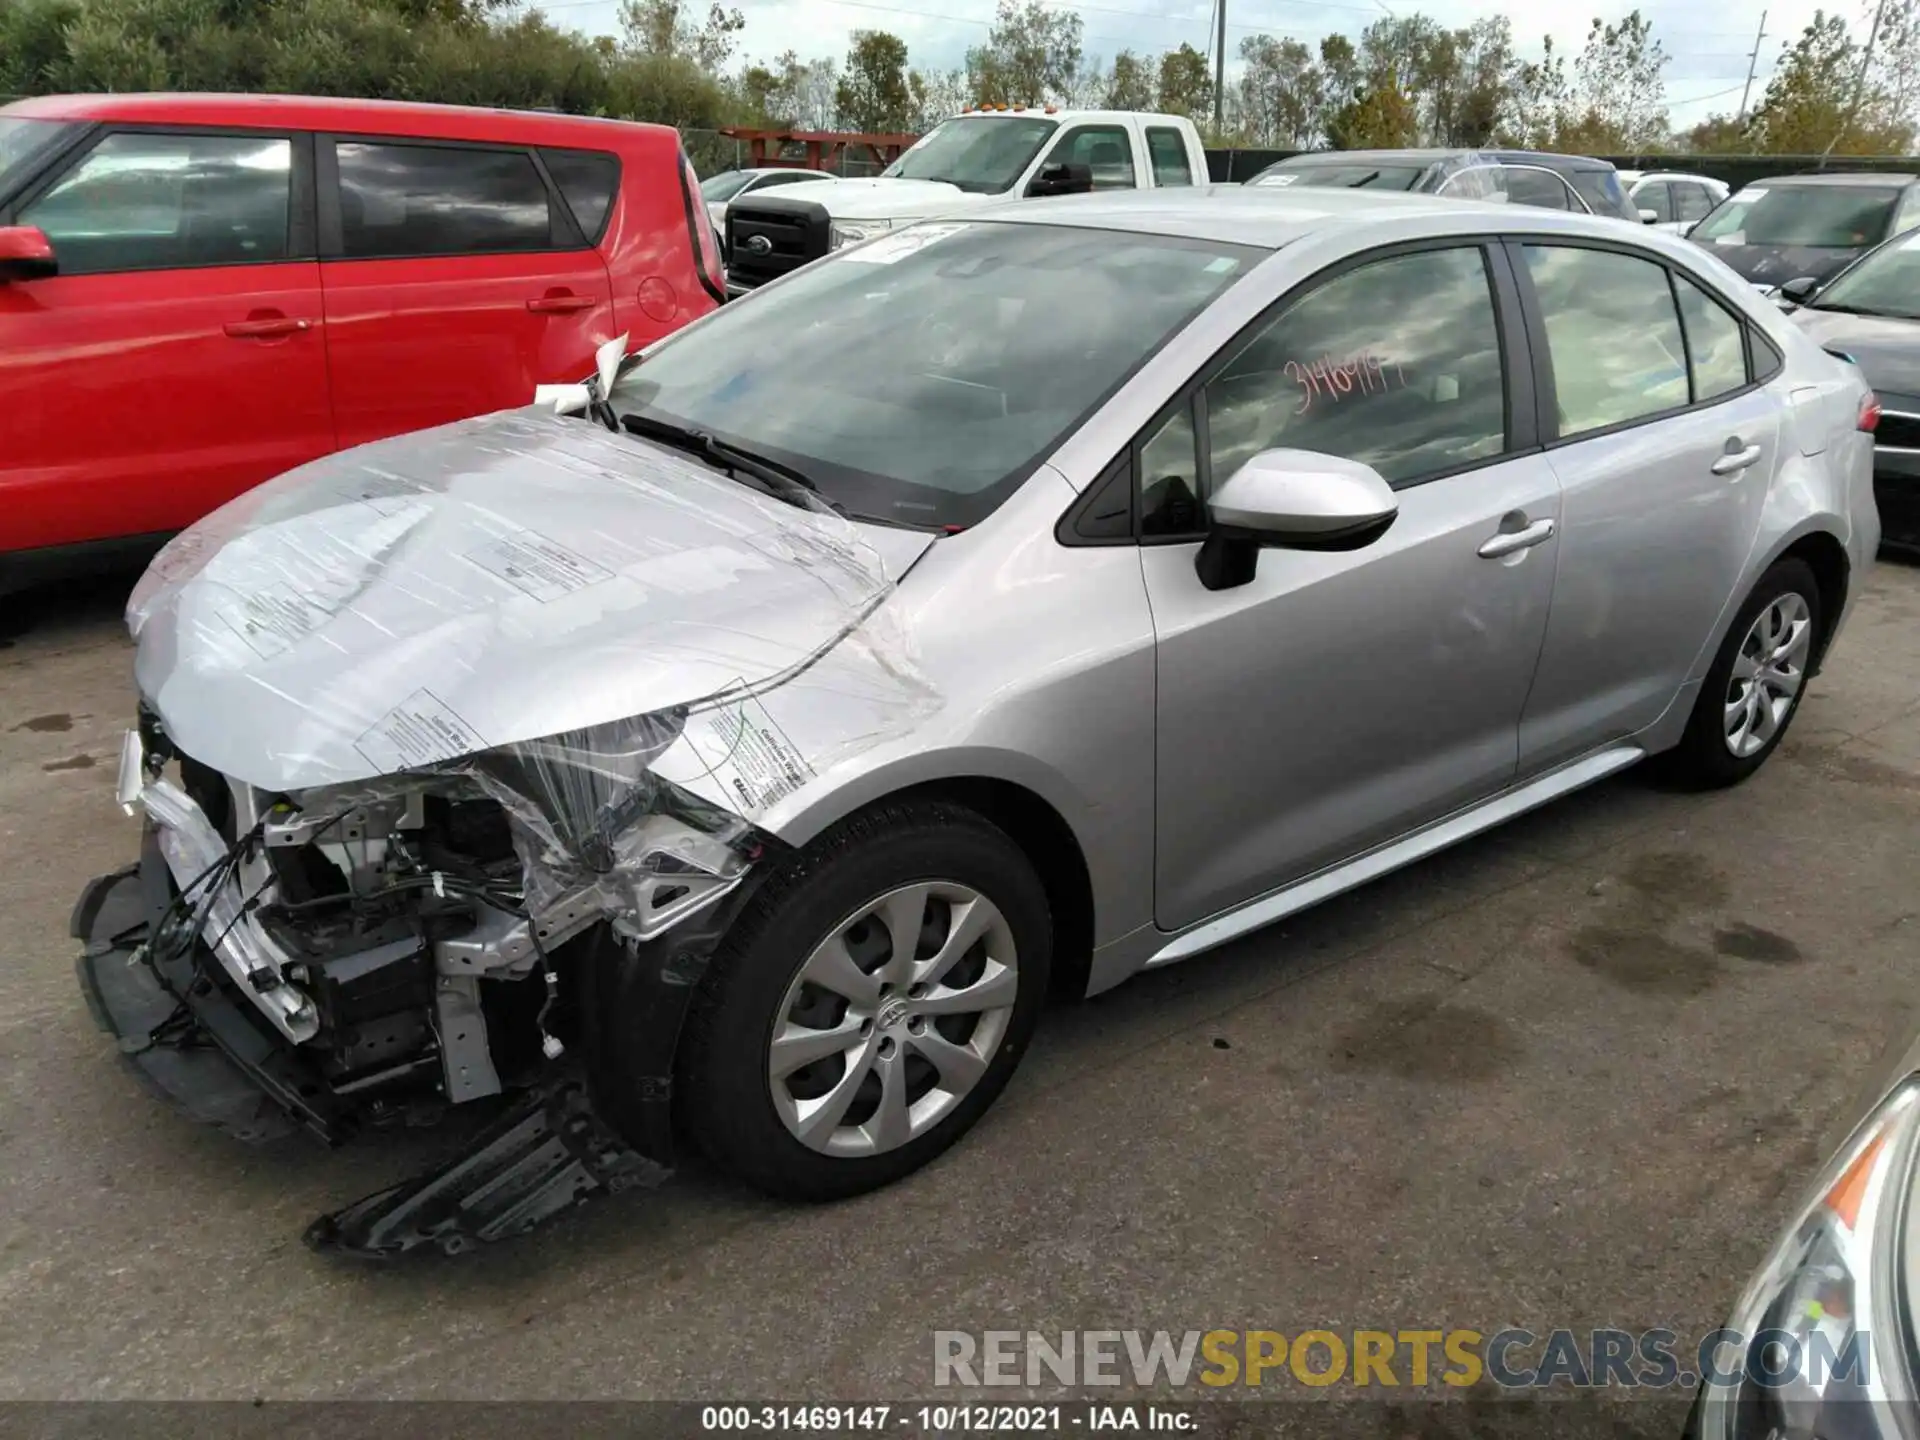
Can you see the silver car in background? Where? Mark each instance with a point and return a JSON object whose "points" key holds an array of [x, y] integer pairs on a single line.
{"points": [[1004, 604]]}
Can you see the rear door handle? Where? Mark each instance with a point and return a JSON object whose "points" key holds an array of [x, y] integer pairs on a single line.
{"points": [[561, 304], [1736, 461], [266, 327], [1509, 541]]}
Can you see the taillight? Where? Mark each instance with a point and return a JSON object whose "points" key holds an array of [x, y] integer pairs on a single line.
{"points": [[706, 245], [1869, 417]]}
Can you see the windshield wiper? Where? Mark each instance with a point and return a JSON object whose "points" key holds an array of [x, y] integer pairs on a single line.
{"points": [[783, 482], [1366, 179]]}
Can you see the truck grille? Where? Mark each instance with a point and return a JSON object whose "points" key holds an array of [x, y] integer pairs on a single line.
{"points": [[767, 238]]}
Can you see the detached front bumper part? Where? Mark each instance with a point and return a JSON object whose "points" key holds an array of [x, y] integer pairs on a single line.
{"points": [[185, 1038]]}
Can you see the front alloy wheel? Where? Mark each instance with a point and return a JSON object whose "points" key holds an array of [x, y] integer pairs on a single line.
{"points": [[869, 1003], [893, 1019]]}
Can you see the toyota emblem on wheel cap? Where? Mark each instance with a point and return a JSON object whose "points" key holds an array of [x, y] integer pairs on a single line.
{"points": [[759, 244]]}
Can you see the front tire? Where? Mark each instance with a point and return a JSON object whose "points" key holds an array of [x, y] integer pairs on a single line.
{"points": [[869, 1005], [1756, 683]]}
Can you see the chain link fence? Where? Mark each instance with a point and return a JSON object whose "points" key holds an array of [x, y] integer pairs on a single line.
{"points": [[712, 153]]}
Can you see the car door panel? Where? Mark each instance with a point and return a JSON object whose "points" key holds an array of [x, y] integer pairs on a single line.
{"points": [[451, 285], [179, 359], [1661, 513], [1342, 699]]}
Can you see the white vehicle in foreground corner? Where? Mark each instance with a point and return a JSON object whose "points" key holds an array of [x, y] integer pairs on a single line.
{"points": [[975, 157]]}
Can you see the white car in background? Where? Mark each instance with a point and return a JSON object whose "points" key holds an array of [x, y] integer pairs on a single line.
{"points": [[719, 191], [1671, 200]]}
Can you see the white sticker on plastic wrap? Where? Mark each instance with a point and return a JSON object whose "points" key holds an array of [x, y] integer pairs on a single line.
{"points": [[273, 621], [747, 754], [420, 730], [901, 243], [537, 566]]}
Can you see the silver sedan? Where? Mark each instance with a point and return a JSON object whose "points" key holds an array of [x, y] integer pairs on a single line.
{"points": [[1010, 603]]}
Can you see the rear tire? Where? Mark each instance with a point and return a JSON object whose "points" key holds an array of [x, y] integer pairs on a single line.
{"points": [[1756, 683], [822, 1059]]}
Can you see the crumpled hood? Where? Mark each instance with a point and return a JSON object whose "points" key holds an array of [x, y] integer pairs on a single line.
{"points": [[881, 199], [1886, 350], [496, 580], [1776, 264]]}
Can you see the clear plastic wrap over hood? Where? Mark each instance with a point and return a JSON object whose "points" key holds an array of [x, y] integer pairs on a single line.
{"points": [[500, 580]]}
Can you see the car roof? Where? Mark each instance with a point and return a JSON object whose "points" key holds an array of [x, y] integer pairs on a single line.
{"points": [[366, 117], [1429, 156], [1889, 179], [1062, 112], [1268, 217]]}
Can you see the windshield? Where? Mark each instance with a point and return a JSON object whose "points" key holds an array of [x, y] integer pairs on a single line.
{"points": [[724, 186], [982, 153], [1827, 217], [1357, 175], [20, 142], [919, 378], [1887, 282]]}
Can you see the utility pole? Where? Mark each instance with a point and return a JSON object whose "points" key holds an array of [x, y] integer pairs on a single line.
{"points": [[1753, 61], [1859, 84], [1219, 64]]}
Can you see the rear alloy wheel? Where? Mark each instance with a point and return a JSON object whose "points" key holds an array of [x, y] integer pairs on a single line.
{"points": [[869, 1005], [1768, 671], [1755, 685]]}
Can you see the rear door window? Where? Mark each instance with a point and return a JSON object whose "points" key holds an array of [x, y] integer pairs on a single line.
{"points": [[1613, 335], [410, 200], [151, 201], [1168, 150], [1535, 187], [588, 180], [1691, 200], [1716, 343]]}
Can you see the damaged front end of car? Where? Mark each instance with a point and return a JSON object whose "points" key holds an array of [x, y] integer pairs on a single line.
{"points": [[363, 899]]}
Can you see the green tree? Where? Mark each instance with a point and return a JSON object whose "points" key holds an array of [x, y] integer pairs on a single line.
{"points": [[1184, 86], [1808, 105], [1032, 55], [1282, 92], [670, 28], [872, 93], [1619, 90], [1130, 85], [1537, 101]]}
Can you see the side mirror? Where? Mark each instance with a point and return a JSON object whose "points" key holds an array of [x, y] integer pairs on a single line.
{"points": [[1291, 500], [1062, 179], [1800, 290], [26, 254], [1649, 217]]}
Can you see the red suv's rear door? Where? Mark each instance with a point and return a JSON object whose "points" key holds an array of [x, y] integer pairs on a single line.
{"points": [[177, 358], [455, 279]]}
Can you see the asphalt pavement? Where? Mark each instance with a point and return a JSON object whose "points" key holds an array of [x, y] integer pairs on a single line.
{"points": [[1570, 1074]]}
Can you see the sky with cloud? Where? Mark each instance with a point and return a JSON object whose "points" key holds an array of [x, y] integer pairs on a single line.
{"points": [[1708, 43]]}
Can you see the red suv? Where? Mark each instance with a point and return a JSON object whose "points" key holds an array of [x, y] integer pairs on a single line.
{"points": [[198, 292]]}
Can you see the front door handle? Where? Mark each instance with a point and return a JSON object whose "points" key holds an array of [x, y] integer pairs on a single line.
{"points": [[1734, 461], [1509, 541], [266, 327], [561, 304]]}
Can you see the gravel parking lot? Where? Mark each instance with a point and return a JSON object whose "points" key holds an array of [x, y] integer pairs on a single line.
{"points": [[1570, 1074]]}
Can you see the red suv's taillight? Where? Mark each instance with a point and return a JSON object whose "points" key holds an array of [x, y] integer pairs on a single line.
{"points": [[1869, 417], [706, 245]]}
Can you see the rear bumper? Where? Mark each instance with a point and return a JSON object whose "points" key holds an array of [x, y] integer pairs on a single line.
{"points": [[178, 1029]]}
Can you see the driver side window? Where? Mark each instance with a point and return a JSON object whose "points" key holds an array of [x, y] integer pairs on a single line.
{"points": [[1104, 149], [1395, 363]]}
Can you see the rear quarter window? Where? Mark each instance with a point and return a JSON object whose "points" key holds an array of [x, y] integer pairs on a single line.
{"points": [[588, 181], [1602, 191]]}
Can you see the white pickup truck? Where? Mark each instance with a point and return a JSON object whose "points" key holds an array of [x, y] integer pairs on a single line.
{"points": [[980, 155]]}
